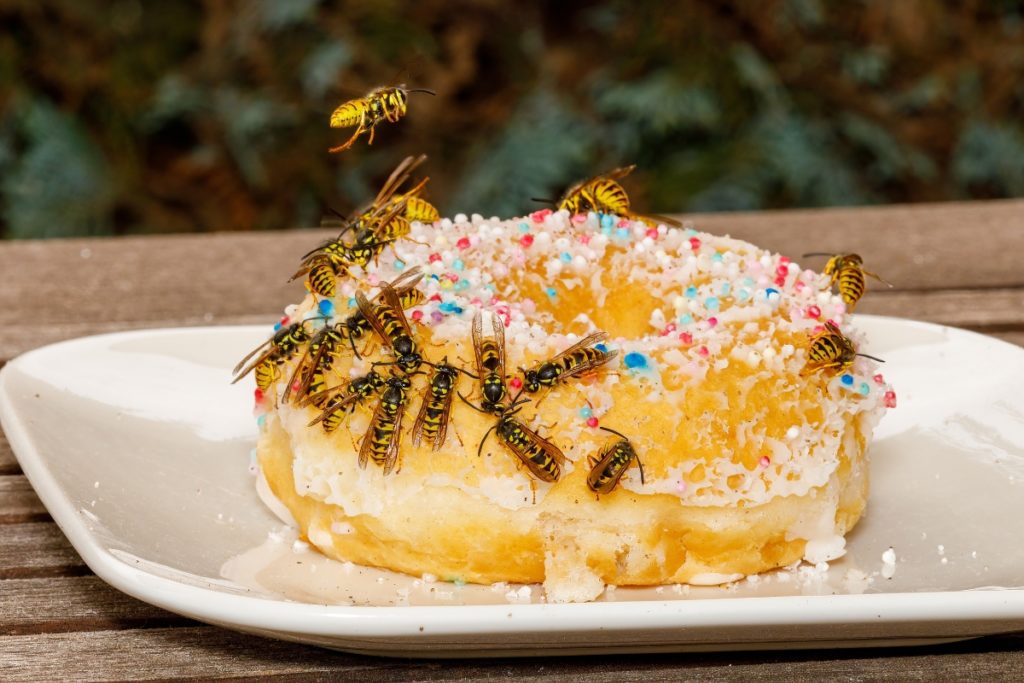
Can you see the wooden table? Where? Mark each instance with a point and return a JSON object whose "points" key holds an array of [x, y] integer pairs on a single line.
{"points": [[959, 264]]}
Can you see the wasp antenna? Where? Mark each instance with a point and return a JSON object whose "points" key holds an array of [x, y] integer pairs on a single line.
{"points": [[542, 201], [423, 90], [619, 434], [864, 355], [816, 253]]}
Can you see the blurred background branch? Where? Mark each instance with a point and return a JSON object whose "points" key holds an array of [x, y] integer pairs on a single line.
{"points": [[134, 117]]}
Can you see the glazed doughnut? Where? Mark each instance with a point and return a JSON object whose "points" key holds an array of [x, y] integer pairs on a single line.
{"points": [[749, 460]]}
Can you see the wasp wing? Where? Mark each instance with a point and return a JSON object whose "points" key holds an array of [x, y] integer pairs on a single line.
{"points": [[397, 179], [550, 449], [267, 349]]}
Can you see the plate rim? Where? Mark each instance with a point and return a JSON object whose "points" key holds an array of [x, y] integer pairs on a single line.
{"points": [[996, 606]]}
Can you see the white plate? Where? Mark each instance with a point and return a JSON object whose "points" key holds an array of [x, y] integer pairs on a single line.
{"points": [[139, 447]]}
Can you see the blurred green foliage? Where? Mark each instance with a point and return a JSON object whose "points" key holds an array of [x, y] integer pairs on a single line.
{"points": [[129, 117]]}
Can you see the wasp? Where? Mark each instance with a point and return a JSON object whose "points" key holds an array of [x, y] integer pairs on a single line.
{"points": [[831, 350], [310, 375], [386, 103], [578, 359], [384, 221], [384, 434], [435, 411], [847, 271], [490, 362], [272, 353], [388, 320], [607, 468], [541, 457], [603, 194], [339, 402]]}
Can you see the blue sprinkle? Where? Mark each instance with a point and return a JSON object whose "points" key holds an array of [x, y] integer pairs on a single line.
{"points": [[865, 389], [352, 303], [326, 307], [717, 257], [586, 412], [277, 326], [748, 282], [461, 285], [607, 220], [743, 294], [771, 290], [690, 232], [399, 264], [457, 264], [602, 347], [566, 257], [550, 291], [685, 319], [606, 230], [622, 233], [635, 360], [450, 307], [261, 420], [459, 581], [491, 286], [726, 288], [847, 380], [524, 227], [691, 292], [711, 303]]}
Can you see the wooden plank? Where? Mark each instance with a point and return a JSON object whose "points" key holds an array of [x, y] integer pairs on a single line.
{"points": [[18, 502], [206, 652], [82, 603], [37, 549], [210, 277], [8, 464], [1001, 309]]}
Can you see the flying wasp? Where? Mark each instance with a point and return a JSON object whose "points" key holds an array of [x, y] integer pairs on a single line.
{"points": [[386, 103], [272, 353], [541, 457], [389, 322], [603, 194], [435, 410], [607, 468], [384, 435], [831, 350], [578, 359], [490, 362], [339, 402], [847, 271]]}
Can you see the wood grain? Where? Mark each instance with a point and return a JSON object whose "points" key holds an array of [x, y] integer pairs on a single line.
{"points": [[18, 502], [81, 603], [206, 652], [36, 549], [8, 464]]}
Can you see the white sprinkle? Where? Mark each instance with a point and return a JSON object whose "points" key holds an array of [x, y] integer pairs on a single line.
{"points": [[792, 433]]}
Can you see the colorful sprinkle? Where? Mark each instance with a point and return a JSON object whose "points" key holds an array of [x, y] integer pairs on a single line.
{"points": [[607, 221], [586, 412], [726, 288], [686, 338], [694, 243], [652, 233], [550, 291], [635, 360], [764, 461], [524, 227], [712, 321], [864, 389], [703, 351], [417, 316], [539, 216], [813, 312], [879, 379], [258, 395], [433, 258], [602, 347], [579, 218], [847, 380], [261, 421], [743, 294], [277, 326], [463, 243], [782, 270], [622, 233], [566, 257], [592, 422], [326, 307], [462, 285], [716, 257], [457, 264], [691, 292], [525, 241], [516, 383], [685, 319], [436, 316], [711, 303], [890, 399]]}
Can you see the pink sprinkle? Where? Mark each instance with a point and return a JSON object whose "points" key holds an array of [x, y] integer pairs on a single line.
{"points": [[435, 297], [703, 351], [507, 319], [785, 260], [818, 329], [780, 281], [764, 461], [284, 321], [453, 277], [258, 395], [694, 243], [686, 338], [799, 285], [813, 311], [494, 300], [712, 321], [623, 223], [652, 233], [463, 243], [296, 385], [433, 258], [475, 301], [879, 379], [890, 399], [579, 218], [669, 329], [501, 310], [539, 216], [417, 315], [526, 240], [782, 270], [833, 322], [516, 383], [373, 278], [584, 238], [680, 486], [592, 421]]}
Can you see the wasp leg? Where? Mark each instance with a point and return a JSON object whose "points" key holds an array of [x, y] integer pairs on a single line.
{"points": [[351, 141], [373, 130]]}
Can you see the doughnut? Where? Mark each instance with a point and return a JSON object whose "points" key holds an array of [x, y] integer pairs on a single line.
{"points": [[698, 444]]}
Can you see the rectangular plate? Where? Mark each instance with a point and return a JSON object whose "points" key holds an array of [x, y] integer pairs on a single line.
{"points": [[140, 448]]}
